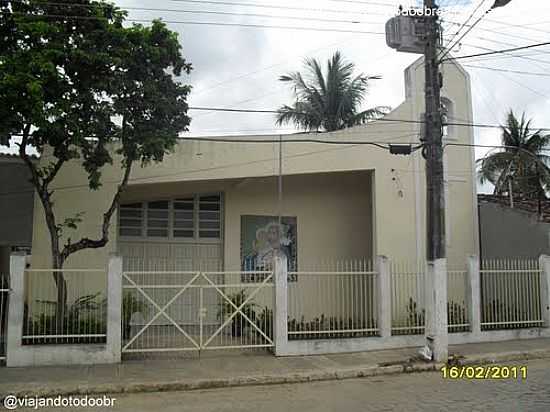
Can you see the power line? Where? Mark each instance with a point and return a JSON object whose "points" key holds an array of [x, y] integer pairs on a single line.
{"points": [[228, 3], [505, 43], [530, 46], [276, 141], [508, 71], [523, 56], [524, 86], [502, 42], [373, 3], [460, 28], [381, 145], [348, 144], [210, 12], [245, 75], [382, 119], [525, 26], [204, 23], [500, 33], [271, 6], [263, 96]]}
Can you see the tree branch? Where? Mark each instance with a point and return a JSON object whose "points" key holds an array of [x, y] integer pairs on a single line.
{"points": [[53, 172], [41, 187], [87, 243]]}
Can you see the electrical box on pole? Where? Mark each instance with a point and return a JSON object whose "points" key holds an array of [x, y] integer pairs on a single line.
{"points": [[406, 34]]}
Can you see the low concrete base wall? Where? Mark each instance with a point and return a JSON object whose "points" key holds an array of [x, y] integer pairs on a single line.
{"points": [[49, 355], [18, 355], [327, 346], [331, 346], [498, 335]]}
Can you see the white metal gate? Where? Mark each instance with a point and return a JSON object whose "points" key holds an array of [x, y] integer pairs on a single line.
{"points": [[194, 311], [4, 295]]}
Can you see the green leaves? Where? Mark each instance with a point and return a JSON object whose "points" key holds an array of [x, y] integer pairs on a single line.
{"points": [[82, 81], [521, 164], [330, 100], [70, 223], [74, 83]]}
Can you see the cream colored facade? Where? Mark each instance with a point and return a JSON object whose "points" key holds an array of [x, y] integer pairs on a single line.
{"points": [[351, 201]]}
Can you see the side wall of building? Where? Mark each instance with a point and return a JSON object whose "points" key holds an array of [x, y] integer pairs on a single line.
{"points": [[16, 208], [507, 232]]}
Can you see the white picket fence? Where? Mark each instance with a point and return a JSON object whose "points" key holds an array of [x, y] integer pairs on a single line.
{"points": [[510, 294], [84, 316], [338, 300], [342, 302], [174, 310], [4, 301]]}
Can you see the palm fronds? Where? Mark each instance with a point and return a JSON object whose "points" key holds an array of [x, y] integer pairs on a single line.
{"points": [[329, 100], [521, 165]]}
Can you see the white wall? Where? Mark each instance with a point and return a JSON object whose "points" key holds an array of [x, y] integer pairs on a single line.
{"points": [[398, 186]]}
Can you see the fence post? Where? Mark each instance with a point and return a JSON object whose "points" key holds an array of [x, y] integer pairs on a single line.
{"points": [[16, 308], [384, 296], [436, 309], [280, 305], [114, 307], [473, 294], [544, 262]]}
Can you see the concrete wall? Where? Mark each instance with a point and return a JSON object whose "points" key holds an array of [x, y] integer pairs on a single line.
{"points": [[16, 205], [333, 214], [18, 355], [16, 208], [507, 232], [333, 211], [398, 183]]}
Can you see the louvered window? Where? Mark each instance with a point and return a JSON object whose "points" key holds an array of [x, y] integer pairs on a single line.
{"points": [[191, 218]]}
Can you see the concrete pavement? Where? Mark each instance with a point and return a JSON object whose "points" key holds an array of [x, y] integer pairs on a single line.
{"points": [[425, 392], [254, 368]]}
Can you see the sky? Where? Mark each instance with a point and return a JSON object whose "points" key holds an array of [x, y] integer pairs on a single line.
{"points": [[238, 67]]}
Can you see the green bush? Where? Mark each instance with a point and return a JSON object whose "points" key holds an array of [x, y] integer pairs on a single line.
{"points": [[238, 322], [130, 305], [86, 316]]}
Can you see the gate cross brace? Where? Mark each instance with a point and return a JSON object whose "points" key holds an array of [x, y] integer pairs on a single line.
{"points": [[162, 311], [238, 309]]}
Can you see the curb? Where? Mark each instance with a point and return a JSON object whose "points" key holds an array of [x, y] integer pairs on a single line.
{"points": [[302, 377]]}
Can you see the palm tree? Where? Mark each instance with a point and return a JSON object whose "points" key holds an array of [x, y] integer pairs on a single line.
{"points": [[521, 167], [328, 101]]}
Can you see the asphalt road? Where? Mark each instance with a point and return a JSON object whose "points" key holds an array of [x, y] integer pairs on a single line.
{"points": [[408, 392]]}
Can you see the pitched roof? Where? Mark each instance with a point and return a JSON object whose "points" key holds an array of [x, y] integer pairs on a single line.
{"points": [[527, 205]]}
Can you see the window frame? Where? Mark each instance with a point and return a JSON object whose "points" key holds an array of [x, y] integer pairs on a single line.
{"points": [[171, 219]]}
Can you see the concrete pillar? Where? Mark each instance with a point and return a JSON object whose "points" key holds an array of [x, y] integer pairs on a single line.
{"points": [[114, 308], [436, 309], [280, 305], [16, 307], [473, 294], [544, 261], [383, 296]]}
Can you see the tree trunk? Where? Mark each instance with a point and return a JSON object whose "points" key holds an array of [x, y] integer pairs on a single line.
{"points": [[540, 205], [61, 299]]}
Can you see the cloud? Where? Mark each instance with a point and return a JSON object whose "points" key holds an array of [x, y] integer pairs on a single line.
{"points": [[239, 66]]}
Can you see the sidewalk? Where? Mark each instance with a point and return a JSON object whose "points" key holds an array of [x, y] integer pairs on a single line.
{"points": [[224, 370]]}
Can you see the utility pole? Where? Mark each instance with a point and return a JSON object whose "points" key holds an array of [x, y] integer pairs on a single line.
{"points": [[436, 271], [433, 144], [422, 35]]}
